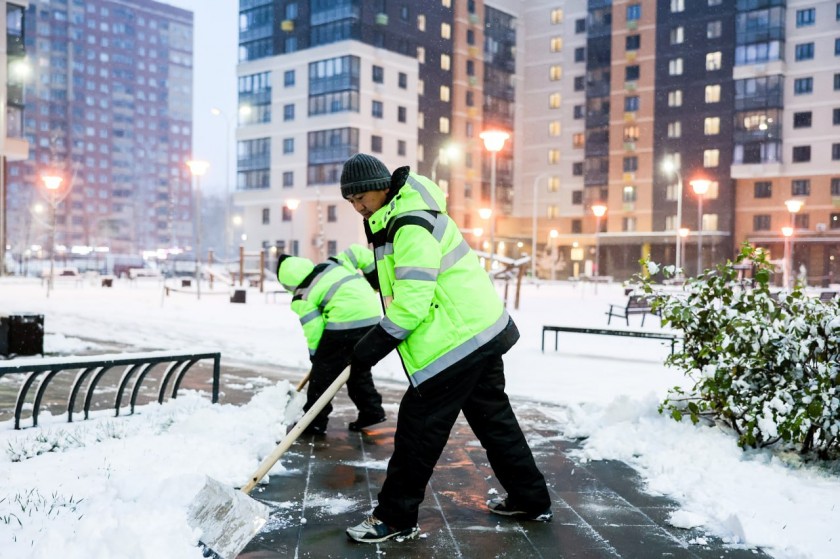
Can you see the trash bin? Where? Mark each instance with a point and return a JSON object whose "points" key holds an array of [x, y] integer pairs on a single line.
{"points": [[21, 334], [107, 282], [238, 296]]}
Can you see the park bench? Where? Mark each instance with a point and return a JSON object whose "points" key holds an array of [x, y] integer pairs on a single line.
{"points": [[666, 336], [636, 304], [826, 296]]}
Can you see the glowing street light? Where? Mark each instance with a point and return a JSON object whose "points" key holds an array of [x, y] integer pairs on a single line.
{"points": [[793, 206], [700, 187], [494, 141], [598, 210], [52, 183], [198, 168]]}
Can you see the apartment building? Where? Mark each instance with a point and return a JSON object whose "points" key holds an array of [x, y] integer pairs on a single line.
{"points": [[109, 111]]}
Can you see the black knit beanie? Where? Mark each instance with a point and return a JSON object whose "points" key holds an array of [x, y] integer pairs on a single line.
{"points": [[362, 173]]}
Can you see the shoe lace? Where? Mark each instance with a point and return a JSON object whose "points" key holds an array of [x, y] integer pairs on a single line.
{"points": [[372, 521]]}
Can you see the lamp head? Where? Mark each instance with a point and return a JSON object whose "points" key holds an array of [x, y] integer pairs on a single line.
{"points": [[700, 186], [599, 210], [787, 231], [197, 167], [494, 140], [794, 205], [292, 203]]}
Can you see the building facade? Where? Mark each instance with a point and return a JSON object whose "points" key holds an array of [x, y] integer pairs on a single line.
{"points": [[109, 111]]}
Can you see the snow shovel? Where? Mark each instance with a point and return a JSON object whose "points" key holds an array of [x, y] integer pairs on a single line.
{"points": [[228, 519], [297, 400]]}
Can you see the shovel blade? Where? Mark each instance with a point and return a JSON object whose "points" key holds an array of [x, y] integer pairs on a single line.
{"points": [[228, 519]]}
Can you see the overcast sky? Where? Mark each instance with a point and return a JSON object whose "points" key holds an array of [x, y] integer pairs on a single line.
{"points": [[215, 27]]}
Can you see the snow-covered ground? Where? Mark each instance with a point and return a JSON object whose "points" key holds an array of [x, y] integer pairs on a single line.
{"points": [[118, 487]]}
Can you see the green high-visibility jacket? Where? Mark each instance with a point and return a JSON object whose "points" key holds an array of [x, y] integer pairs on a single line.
{"points": [[327, 296], [438, 299]]}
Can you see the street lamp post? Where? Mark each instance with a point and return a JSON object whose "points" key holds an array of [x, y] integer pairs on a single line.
{"points": [[197, 169], [787, 232], [215, 111], [793, 206], [599, 210], [52, 183], [669, 167], [292, 204], [552, 252], [534, 228], [494, 141], [700, 187]]}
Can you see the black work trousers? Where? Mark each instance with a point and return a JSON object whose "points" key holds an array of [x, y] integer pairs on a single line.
{"points": [[332, 355], [425, 420]]}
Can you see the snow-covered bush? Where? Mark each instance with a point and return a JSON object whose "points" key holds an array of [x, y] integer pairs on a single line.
{"points": [[768, 365]]}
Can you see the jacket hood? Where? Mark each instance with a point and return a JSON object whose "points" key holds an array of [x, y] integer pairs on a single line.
{"points": [[293, 270]]}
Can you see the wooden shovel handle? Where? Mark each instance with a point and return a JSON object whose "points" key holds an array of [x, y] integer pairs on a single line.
{"points": [[303, 381], [269, 461]]}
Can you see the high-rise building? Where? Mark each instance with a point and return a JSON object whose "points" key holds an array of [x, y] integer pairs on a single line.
{"points": [[109, 110], [12, 145], [629, 104]]}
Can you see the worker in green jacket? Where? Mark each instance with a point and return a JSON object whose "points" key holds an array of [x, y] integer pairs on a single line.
{"points": [[336, 307], [446, 320]]}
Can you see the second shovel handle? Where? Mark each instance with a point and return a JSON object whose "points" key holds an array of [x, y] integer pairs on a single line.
{"points": [[303, 381]]}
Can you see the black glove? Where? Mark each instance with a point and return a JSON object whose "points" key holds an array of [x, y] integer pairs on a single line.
{"points": [[373, 347]]}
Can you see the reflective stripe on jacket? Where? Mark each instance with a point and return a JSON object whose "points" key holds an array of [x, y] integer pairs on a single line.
{"points": [[438, 299], [327, 296]]}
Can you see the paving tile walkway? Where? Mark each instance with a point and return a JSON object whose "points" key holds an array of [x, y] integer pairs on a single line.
{"points": [[600, 509]]}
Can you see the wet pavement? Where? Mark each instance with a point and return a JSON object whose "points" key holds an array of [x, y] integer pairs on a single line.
{"points": [[600, 508]]}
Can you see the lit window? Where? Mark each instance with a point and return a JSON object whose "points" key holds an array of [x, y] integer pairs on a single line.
{"points": [[711, 157], [444, 93], [445, 62], [631, 133], [553, 156], [421, 22], [675, 67], [555, 72], [554, 128], [713, 61], [677, 35], [711, 126], [421, 55], [444, 125], [677, 6], [553, 184], [554, 101], [577, 140], [675, 98], [556, 16], [675, 129], [712, 94], [556, 44], [445, 31]]}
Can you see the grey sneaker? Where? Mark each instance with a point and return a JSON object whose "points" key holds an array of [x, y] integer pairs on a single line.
{"points": [[499, 505], [373, 530]]}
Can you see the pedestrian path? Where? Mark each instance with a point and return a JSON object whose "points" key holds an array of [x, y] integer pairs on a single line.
{"points": [[600, 510]]}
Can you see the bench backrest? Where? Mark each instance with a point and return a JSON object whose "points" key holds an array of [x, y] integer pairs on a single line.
{"points": [[638, 302], [828, 295]]}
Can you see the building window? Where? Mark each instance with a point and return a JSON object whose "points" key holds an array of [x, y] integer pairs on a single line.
{"points": [[632, 42], [761, 223], [470, 67], [401, 114], [631, 103], [577, 169], [266, 216], [631, 73], [376, 144], [555, 72], [556, 16], [577, 112], [443, 125], [677, 6], [715, 2], [763, 189], [711, 126], [421, 55], [835, 152], [579, 84], [630, 164], [580, 54], [444, 93], [554, 101], [714, 29], [554, 128], [802, 86], [553, 156], [288, 145], [800, 187], [628, 224], [835, 117], [674, 129], [711, 157], [578, 139], [836, 82], [376, 109], [835, 187], [288, 112], [634, 12], [556, 44], [289, 78], [403, 80], [804, 51], [401, 147], [445, 31], [713, 93], [580, 25], [675, 98], [288, 179], [806, 17], [675, 67], [677, 35], [332, 213], [835, 218], [801, 154], [631, 133], [713, 61], [378, 74], [802, 120], [628, 194], [445, 62], [836, 47], [577, 197]]}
